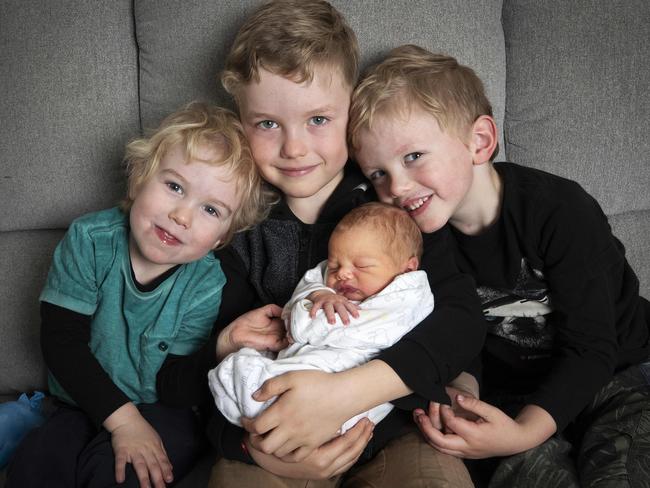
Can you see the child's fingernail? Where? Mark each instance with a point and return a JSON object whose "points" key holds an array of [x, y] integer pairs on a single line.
{"points": [[460, 398]]}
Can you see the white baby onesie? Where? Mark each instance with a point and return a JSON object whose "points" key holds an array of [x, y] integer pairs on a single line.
{"points": [[383, 319]]}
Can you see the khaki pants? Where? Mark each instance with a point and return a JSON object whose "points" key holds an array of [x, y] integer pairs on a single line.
{"points": [[407, 461]]}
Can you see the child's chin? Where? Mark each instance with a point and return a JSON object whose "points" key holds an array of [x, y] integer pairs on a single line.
{"points": [[429, 225]]}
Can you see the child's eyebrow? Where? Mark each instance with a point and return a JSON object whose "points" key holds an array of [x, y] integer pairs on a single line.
{"points": [[323, 109], [259, 115], [219, 203], [174, 173]]}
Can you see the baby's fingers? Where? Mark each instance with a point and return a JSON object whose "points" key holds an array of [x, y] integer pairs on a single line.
{"points": [[315, 307], [330, 313], [353, 308], [342, 312]]}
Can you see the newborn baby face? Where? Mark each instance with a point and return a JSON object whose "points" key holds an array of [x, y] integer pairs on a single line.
{"points": [[358, 263]]}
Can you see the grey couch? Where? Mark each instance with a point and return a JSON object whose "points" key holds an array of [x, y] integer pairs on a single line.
{"points": [[568, 80]]}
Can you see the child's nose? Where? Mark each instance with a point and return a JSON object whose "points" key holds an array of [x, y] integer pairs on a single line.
{"points": [[182, 216], [293, 146], [398, 185]]}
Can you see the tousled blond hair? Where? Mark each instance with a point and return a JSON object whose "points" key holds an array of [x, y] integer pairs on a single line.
{"points": [[411, 76], [291, 38], [398, 233], [195, 126]]}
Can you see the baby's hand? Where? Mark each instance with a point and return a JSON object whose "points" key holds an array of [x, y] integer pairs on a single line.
{"points": [[135, 441], [332, 304]]}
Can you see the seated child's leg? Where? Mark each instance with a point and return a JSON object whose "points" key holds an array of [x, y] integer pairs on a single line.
{"points": [[615, 448], [408, 461], [179, 429], [235, 474], [48, 455], [549, 464]]}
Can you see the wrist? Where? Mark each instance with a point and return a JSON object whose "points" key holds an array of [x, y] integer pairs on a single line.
{"points": [[369, 385], [537, 425], [122, 416], [224, 344]]}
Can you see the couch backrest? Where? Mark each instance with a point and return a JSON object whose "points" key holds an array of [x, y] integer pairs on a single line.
{"points": [[81, 78], [578, 105]]}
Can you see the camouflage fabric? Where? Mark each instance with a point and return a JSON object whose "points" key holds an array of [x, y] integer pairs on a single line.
{"points": [[610, 443]]}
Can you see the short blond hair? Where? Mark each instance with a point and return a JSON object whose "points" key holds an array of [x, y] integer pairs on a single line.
{"points": [[290, 38], [195, 126], [399, 234], [411, 76]]}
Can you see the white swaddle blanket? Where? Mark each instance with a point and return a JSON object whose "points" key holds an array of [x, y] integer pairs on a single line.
{"points": [[383, 319]]}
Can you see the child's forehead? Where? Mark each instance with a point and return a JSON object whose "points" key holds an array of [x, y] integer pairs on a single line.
{"points": [[203, 150], [322, 82]]}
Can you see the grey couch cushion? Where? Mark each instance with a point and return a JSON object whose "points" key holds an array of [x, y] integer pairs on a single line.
{"points": [[578, 98], [182, 48], [578, 103], [25, 261], [68, 105]]}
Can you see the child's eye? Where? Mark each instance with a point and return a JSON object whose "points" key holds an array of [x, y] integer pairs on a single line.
{"points": [[412, 156], [212, 211], [375, 175], [175, 187], [318, 120], [267, 124]]}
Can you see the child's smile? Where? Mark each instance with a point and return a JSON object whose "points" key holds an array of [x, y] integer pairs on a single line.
{"points": [[166, 238]]}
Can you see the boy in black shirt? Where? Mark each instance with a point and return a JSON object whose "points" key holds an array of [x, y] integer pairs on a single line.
{"points": [[567, 329]]}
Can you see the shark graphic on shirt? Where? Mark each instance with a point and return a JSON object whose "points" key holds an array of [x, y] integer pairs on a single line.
{"points": [[520, 315]]}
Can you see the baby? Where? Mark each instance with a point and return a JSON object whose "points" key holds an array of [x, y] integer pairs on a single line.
{"points": [[364, 298]]}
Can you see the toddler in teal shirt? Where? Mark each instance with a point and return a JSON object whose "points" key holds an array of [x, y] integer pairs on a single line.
{"points": [[130, 287]]}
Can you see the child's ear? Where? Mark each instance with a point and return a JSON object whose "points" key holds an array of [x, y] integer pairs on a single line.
{"points": [[412, 264], [483, 139]]}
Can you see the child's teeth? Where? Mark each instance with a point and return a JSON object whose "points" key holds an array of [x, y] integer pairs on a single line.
{"points": [[417, 204]]}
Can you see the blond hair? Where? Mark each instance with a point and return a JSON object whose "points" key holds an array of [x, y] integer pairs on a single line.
{"points": [[398, 232], [290, 38], [195, 126], [412, 76]]}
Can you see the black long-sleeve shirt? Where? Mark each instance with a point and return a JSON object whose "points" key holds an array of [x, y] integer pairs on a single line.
{"points": [[560, 298]]}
